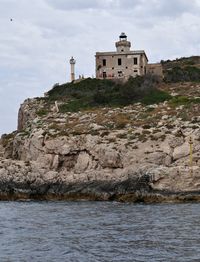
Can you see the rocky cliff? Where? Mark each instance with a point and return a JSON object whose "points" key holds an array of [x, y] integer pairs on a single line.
{"points": [[135, 153]]}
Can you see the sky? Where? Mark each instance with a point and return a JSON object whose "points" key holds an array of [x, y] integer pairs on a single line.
{"points": [[37, 39]]}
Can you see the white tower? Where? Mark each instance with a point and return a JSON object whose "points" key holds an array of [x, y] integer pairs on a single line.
{"points": [[72, 62]]}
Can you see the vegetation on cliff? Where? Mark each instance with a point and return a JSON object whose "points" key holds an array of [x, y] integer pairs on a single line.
{"points": [[182, 70], [94, 93]]}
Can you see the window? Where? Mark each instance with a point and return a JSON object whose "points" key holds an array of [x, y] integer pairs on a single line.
{"points": [[122, 50], [119, 61], [120, 73], [126, 67], [104, 75], [113, 68], [104, 62], [135, 60], [135, 71]]}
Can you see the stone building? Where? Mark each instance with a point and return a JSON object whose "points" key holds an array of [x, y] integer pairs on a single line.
{"points": [[123, 63], [155, 69]]}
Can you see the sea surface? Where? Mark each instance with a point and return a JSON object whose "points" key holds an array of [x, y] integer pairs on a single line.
{"points": [[99, 231]]}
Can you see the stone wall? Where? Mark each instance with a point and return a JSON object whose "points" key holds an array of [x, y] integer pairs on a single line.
{"points": [[155, 69]]}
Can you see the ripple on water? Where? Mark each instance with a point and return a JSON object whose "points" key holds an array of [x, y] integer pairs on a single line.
{"points": [[98, 231]]}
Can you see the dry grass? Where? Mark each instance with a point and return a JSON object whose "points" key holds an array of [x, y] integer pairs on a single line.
{"points": [[121, 120]]}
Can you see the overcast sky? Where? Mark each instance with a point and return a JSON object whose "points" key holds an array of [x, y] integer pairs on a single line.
{"points": [[35, 47]]}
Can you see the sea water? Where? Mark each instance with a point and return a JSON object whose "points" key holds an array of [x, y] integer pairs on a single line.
{"points": [[99, 231]]}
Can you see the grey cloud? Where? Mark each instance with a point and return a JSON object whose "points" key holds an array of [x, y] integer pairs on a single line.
{"points": [[134, 7], [71, 5], [145, 10], [92, 4], [173, 8]]}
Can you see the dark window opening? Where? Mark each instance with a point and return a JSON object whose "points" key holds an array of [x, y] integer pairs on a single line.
{"points": [[120, 73], [113, 68], [135, 71], [119, 61], [104, 75], [104, 62], [122, 50], [135, 60], [126, 67]]}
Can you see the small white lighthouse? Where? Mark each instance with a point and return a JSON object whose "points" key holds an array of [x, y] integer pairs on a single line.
{"points": [[72, 62]]}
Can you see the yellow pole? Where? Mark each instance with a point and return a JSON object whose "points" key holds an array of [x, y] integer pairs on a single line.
{"points": [[191, 155]]}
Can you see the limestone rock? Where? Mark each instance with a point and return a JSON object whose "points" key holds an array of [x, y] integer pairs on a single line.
{"points": [[84, 162], [109, 158], [60, 155], [181, 151]]}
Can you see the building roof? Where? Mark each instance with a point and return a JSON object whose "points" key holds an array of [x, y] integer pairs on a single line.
{"points": [[135, 52]]}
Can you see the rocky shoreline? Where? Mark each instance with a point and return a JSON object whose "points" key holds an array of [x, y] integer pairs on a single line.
{"points": [[23, 180], [94, 191], [136, 153]]}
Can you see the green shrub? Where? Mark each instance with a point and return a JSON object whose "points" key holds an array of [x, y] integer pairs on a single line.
{"points": [[156, 96], [42, 112], [6, 138], [182, 74], [179, 100], [181, 62], [73, 106], [91, 93], [150, 109], [184, 100]]}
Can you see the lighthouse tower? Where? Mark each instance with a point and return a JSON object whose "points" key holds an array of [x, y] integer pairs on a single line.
{"points": [[72, 62], [123, 45]]}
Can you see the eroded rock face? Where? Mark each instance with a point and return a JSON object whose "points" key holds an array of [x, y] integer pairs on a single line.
{"points": [[109, 158], [60, 155], [27, 113]]}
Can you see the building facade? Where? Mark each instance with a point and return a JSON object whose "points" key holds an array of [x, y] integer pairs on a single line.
{"points": [[122, 63]]}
